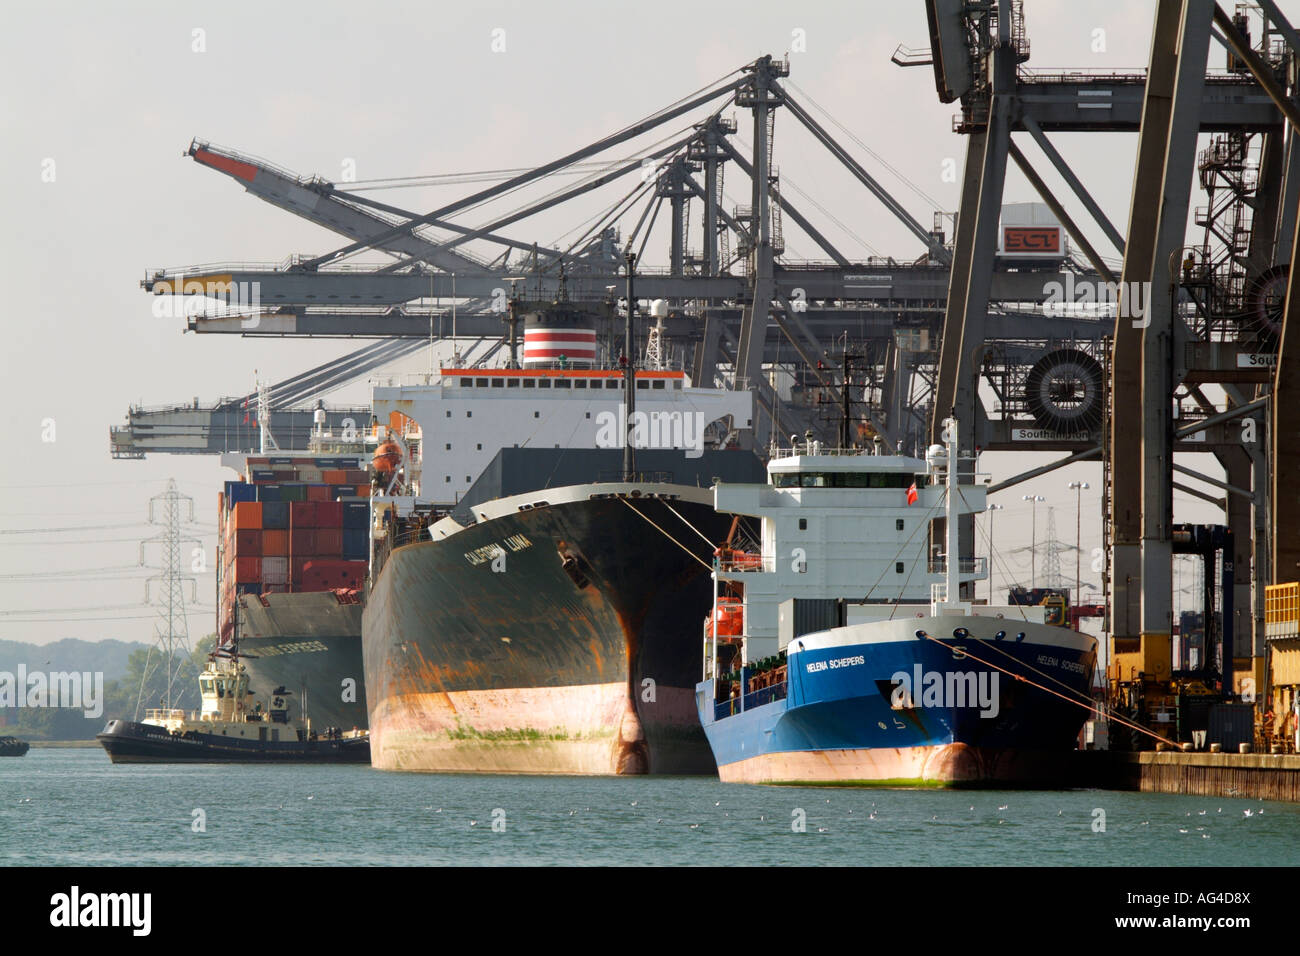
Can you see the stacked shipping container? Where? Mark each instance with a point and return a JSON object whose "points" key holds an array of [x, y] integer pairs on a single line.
{"points": [[297, 524]]}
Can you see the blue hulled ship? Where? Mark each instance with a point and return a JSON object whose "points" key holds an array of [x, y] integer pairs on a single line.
{"points": [[840, 653]]}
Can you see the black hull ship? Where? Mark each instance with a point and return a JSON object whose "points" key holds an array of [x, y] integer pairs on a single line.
{"points": [[230, 727], [309, 642], [128, 741], [558, 634], [543, 617]]}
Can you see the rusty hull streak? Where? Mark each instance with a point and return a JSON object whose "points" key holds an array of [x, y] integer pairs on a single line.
{"points": [[633, 755], [633, 750], [641, 589]]}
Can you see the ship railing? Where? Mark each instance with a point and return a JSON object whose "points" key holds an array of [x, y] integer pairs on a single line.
{"points": [[736, 705], [164, 713], [871, 262], [199, 270], [410, 535], [765, 695], [817, 449], [976, 566], [617, 475], [738, 563]]}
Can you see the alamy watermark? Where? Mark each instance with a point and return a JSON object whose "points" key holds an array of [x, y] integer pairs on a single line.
{"points": [[209, 297], [75, 908], [1131, 300], [83, 690], [666, 429], [922, 688]]}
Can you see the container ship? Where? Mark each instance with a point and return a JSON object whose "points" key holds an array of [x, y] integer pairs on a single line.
{"points": [[535, 619], [824, 662], [291, 566]]}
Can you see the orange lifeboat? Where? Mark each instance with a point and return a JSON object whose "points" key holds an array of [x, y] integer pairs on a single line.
{"points": [[387, 457], [728, 618]]}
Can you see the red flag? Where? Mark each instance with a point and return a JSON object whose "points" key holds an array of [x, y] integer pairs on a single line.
{"points": [[912, 494]]}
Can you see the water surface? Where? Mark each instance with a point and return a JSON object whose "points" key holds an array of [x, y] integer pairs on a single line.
{"points": [[73, 807]]}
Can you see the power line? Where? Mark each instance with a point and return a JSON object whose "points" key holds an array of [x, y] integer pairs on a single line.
{"points": [[60, 610], [66, 514], [99, 619], [86, 484], [69, 528], [93, 579], [87, 542], [70, 572]]}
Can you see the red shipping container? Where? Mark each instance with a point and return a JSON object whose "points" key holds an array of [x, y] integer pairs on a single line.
{"points": [[323, 575], [355, 476], [334, 476], [302, 514], [299, 566], [318, 493], [248, 514], [248, 544], [248, 570], [275, 544], [302, 542], [363, 491], [329, 514], [329, 542]]}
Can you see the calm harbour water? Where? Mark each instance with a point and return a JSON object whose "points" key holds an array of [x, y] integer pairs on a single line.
{"points": [[73, 807]]}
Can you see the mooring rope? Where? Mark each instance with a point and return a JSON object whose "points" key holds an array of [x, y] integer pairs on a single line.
{"points": [[705, 564], [689, 525], [1138, 727]]}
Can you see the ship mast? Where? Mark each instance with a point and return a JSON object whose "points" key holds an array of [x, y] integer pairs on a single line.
{"points": [[629, 374], [266, 439], [953, 564]]}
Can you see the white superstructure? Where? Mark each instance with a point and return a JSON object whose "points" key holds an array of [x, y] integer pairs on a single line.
{"points": [[466, 416], [839, 526]]}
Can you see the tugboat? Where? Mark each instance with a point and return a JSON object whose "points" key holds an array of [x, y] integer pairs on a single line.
{"points": [[230, 727], [13, 747]]}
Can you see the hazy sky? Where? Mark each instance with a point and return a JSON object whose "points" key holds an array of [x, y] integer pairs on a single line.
{"points": [[106, 97]]}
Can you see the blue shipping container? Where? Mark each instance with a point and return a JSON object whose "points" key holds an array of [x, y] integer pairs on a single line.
{"points": [[237, 491], [275, 515], [356, 515], [355, 545]]}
